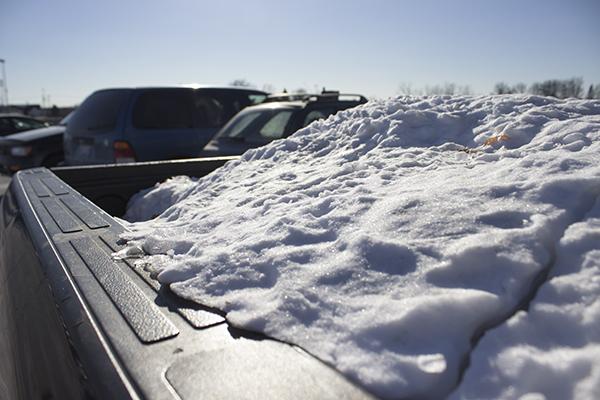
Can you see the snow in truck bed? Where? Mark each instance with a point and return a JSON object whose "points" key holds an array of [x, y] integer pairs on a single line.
{"points": [[403, 241]]}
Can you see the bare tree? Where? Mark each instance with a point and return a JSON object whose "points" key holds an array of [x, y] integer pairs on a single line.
{"points": [[590, 93], [536, 88], [561, 89], [502, 88], [519, 88], [269, 88], [465, 90], [448, 88], [240, 83], [405, 88], [574, 87]]}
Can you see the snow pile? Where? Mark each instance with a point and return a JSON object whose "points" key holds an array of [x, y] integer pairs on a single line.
{"points": [[553, 350], [152, 202], [383, 239]]}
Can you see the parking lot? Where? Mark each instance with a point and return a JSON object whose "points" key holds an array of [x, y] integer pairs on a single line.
{"points": [[344, 199]]}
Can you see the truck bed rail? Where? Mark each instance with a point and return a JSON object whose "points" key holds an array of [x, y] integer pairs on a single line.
{"points": [[80, 324]]}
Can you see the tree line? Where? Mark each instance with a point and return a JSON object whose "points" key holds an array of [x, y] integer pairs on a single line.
{"points": [[559, 88], [447, 88]]}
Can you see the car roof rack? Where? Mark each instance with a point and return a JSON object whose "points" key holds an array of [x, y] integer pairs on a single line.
{"points": [[331, 95], [287, 97], [324, 96]]}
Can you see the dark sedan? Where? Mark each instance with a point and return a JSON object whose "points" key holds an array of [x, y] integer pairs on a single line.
{"points": [[13, 123], [33, 148]]}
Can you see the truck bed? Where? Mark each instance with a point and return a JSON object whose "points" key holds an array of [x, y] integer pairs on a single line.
{"points": [[76, 323]]}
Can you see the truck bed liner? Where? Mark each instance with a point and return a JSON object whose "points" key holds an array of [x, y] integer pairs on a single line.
{"points": [[114, 332]]}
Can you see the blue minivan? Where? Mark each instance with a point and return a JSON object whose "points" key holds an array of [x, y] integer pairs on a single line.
{"points": [[145, 124]]}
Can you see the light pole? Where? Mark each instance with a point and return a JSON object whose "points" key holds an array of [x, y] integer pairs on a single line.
{"points": [[4, 85]]}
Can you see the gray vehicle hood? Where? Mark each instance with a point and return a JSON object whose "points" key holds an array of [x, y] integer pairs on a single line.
{"points": [[34, 134]]}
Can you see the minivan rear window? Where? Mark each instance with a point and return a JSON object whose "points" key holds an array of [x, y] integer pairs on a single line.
{"points": [[164, 109], [100, 111]]}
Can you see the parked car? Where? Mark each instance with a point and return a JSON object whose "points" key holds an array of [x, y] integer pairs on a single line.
{"points": [[33, 148], [279, 116], [146, 124], [13, 123]]}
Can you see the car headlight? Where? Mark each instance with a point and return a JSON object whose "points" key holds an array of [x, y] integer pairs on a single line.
{"points": [[20, 151]]}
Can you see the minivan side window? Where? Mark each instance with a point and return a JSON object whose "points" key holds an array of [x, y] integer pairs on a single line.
{"points": [[100, 111], [232, 101], [164, 109], [209, 111]]}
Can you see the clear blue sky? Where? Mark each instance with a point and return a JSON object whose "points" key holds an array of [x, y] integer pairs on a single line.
{"points": [[70, 48]]}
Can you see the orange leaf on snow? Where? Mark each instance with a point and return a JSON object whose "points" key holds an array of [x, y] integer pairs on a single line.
{"points": [[495, 139]]}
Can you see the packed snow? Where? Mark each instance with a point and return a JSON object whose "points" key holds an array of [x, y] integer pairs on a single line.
{"points": [[552, 351], [387, 239]]}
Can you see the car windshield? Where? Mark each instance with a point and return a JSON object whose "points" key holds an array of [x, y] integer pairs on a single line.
{"points": [[66, 119], [258, 126], [26, 124]]}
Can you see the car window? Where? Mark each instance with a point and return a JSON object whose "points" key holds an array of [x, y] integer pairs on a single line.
{"points": [[256, 98], [317, 114], [233, 101], [275, 126], [210, 111], [258, 126], [66, 119], [239, 125], [164, 109], [5, 126], [24, 124], [100, 111]]}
